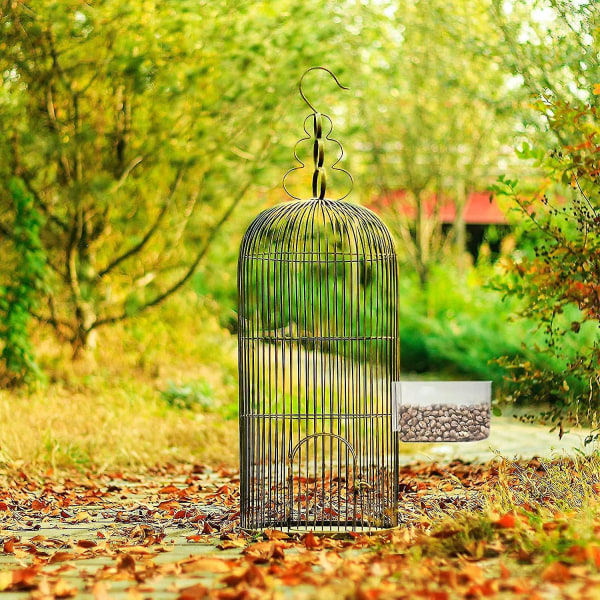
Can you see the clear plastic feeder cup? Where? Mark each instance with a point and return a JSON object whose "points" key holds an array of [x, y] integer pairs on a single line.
{"points": [[442, 411]]}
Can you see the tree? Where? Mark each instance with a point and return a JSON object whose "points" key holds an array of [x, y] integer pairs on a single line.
{"points": [[436, 116], [137, 136]]}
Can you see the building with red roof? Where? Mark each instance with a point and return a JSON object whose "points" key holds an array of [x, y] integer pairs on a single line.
{"points": [[481, 211]]}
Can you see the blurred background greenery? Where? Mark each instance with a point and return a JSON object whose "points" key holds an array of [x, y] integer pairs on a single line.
{"points": [[139, 140]]}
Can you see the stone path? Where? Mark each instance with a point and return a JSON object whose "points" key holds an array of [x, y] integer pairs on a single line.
{"points": [[509, 437]]}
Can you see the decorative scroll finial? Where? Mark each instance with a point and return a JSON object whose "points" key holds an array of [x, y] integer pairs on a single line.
{"points": [[319, 180]]}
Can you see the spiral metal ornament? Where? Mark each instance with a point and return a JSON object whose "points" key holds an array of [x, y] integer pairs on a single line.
{"points": [[319, 179]]}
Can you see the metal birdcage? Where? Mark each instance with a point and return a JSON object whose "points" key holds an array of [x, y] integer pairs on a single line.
{"points": [[318, 352]]}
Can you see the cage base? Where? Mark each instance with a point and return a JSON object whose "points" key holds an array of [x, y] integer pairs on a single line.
{"points": [[328, 531]]}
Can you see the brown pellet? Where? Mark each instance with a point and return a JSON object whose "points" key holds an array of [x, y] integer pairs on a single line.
{"points": [[444, 423]]}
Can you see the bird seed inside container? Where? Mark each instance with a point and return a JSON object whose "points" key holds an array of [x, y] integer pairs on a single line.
{"points": [[444, 422]]}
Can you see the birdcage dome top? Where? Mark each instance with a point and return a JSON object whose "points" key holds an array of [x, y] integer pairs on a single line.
{"points": [[317, 227]]}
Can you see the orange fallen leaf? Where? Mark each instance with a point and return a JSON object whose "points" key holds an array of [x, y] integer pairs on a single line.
{"points": [[595, 552], [169, 505], [487, 589], [310, 541], [19, 579], [229, 544], [195, 538], [471, 573], [61, 557], [448, 578], [556, 572], [193, 592], [136, 550], [100, 591], [252, 575], [506, 521], [62, 589], [432, 594], [265, 551], [275, 534], [370, 594], [210, 565], [126, 562]]}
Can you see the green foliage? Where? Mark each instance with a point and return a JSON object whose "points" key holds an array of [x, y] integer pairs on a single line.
{"points": [[197, 395], [139, 130], [458, 327], [559, 283], [20, 297]]}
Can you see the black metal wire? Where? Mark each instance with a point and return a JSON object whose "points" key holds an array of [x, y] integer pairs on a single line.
{"points": [[318, 352]]}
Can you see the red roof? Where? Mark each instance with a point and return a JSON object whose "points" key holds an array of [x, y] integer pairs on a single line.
{"points": [[481, 208]]}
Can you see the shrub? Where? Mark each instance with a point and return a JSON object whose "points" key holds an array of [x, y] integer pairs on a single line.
{"points": [[458, 327], [20, 296], [198, 395], [560, 282]]}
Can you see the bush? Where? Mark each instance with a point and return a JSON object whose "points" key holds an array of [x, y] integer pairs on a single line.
{"points": [[197, 395], [559, 284], [20, 297], [459, 327]]}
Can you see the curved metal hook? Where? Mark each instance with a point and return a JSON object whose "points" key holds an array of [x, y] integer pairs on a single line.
{"points": [[304, 75]]}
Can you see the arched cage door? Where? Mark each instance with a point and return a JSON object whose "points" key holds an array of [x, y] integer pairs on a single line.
{"points": [[322, 482]]}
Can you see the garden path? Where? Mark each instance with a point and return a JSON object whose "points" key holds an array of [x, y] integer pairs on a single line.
{"points": [[509, 437]]}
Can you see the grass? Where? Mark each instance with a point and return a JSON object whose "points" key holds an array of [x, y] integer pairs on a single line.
{"points": [[155, 390]]}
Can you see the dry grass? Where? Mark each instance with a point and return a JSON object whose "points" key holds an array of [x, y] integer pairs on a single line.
{"points": [[60, 427], [106, 410]]}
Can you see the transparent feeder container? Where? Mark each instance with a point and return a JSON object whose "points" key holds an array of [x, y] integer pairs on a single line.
{"points": [[442, 411]]}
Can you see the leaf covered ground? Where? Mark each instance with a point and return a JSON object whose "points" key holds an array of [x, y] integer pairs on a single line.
{"points": [[499, 530]]}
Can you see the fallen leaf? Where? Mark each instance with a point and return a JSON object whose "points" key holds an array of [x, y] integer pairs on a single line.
{"points": [[471, 572], [193, 592], [506, 521], [229, 544], [310, 541], [275, 534], [126, 562], [61, 557], [137, 550], [252, 575], [18, 579], [62, 589], [100, 592], [265, 551], [556, 572], [201, 563]]}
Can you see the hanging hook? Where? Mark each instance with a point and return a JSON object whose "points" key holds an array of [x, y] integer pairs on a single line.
{"points": [[304, 75], [319, 181]]}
